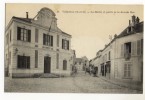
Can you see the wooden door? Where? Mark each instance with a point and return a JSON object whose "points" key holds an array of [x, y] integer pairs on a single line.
{"points": [[47, 64]]}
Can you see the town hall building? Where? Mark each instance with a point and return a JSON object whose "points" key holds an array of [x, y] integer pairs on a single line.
{"points": [[37, 45]]}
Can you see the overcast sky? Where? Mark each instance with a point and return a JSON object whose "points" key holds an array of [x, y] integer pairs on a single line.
{"points": [[90, 31]]}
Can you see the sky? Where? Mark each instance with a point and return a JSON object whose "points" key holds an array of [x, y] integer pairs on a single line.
{"points": [[90, 31]]}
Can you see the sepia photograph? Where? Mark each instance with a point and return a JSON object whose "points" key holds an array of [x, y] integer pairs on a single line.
{"points": [[73, 48]]}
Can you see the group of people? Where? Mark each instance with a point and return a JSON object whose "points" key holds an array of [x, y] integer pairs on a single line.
{"points": [[91, 70]]}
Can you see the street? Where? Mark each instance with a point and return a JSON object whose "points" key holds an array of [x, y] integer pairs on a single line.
{"points": [[81, 83]]}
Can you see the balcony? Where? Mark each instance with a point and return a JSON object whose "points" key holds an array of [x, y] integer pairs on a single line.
{"points": [[127, 56]]}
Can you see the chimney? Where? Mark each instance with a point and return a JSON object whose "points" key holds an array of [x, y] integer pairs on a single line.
{"points": [[137, 20], [133, 20], [27, 16], [115, 35]]}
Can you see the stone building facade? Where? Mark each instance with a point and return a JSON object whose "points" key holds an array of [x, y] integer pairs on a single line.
{"points": [[122, 58], [37, 45]]}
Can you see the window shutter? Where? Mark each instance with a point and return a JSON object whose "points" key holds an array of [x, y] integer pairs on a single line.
{"points": [[18, 61], [57, 61], [36, 58], [18, 33], [132, 48], [138, 47], [43, 39], [29, 35], [125, 70], [122, 50], [36, 35], [51, 41], [48, 40], [28, 62], [24, 61]]}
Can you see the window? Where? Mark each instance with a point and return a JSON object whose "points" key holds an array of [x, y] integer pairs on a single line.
{"points": [[128, 47], [36, 35], [127, 50], [65, 44], [23, 62], [57, 40], [57, 58], [36, 58], [23, 34], [47, 40], [127, 70], [80, 63]]}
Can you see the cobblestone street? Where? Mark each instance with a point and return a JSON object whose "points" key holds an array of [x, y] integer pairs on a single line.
{"points": [[81, 83]]}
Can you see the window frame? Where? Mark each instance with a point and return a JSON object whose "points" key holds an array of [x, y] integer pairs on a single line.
{"points": [[65, 44], [47, 40], [23, 34], [127, 70], [23, 62]]}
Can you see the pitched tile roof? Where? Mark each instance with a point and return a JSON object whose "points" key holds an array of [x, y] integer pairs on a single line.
{"points": [[137, 28], [23, 19]]}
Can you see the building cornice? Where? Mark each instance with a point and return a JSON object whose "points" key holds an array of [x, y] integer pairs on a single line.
{"points": [[36, 25]]}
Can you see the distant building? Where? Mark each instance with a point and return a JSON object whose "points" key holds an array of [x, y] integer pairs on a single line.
{"points": [[37, 45], [122, 58], [95, 62], [81, 63]]}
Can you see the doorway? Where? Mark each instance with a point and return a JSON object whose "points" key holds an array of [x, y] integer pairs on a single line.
{"points": [[47, 64], [64, 65]]}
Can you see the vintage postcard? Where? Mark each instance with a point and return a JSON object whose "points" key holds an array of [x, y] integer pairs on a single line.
{"points": [[73, 48]]}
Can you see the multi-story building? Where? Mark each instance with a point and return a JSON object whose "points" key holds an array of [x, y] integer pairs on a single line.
{"points": [[122, 58], [37, 45], [81, 63], [128, 58]]}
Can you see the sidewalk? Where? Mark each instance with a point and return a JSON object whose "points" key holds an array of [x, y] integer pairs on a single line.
{"points": [[125, 83]]}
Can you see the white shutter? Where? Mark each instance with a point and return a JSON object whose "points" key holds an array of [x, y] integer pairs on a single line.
{"points": [[132, 48], [122, 50]]}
